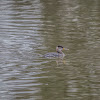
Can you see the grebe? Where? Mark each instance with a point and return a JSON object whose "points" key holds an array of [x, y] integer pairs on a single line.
{"points": [[59, 52]]}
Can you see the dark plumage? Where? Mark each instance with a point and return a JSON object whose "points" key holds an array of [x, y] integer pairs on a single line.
{"points": [[60, 46]]}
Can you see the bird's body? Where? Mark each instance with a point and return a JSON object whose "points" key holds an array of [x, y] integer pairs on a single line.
{"points": [[59, 53], [54, 54]]}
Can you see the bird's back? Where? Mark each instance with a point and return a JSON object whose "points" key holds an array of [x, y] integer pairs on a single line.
{"points": [[53, 54]]}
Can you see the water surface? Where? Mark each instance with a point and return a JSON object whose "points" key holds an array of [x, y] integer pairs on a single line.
{"points": [[31, 28]]}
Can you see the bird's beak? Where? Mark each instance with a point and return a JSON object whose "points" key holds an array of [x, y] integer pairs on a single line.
{"points": [[65, 49]]}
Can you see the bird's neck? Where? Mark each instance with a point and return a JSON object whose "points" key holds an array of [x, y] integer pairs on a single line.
{"points": [[60, 52]]}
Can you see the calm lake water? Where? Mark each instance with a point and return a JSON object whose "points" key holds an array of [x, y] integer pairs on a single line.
{"points": [[31, 28]]}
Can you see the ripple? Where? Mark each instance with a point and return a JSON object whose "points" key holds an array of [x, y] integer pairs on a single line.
{"points": [[29, 29]]}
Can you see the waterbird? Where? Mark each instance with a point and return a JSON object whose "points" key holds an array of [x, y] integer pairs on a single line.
{"points": [[58, 52]]}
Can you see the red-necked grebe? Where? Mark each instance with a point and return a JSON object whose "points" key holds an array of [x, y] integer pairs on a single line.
{"points": [[59, 52]]}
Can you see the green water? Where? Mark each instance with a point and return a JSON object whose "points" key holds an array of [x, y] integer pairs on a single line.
{"points": [[31, 28]]}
